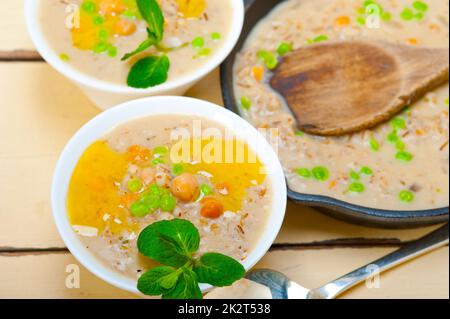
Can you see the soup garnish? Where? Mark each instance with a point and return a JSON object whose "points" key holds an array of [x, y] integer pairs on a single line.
{"points": [[153, 70], [142, 43], [173, 245]]}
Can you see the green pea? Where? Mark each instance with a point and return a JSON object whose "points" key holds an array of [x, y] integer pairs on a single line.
{"points": [[400, 145], [88, 6], [366, 171], [161, 150], [299, 133], [198, 42], [204, 52], [406, 196], [216, 36], [420, 6], [112, 51], [447, 100], [361, 10], [245, 103], [361, 20], [321, 173], [134, 185], [177, 169], [155, 190], [419, 16], [398, 123], [404, 156], [304, 172], [355, 176], [158, 161], [386, 16], [407, 14], [129, 14], [357, 188], [206, 189], [139, 209], [168, 203], [153, 202], [374, 145], [270, 60], [393, 137], [103, 34], [368, 3], [284, 48], [320, 38], [100, 47], [98, 20], [64, 57], [263, 54]]}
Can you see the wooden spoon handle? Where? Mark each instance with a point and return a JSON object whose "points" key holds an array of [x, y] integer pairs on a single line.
{"points": [[343, 87]]}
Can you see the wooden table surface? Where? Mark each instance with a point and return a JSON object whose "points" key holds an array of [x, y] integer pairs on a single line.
{"points": [[40, 110]]}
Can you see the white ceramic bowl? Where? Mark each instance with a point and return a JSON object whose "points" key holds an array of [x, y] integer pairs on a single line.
{"points": [[108, 120], [105, 94]]}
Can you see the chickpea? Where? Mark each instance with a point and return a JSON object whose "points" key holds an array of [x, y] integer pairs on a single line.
{"points": [[211, 208], [185, 187]]}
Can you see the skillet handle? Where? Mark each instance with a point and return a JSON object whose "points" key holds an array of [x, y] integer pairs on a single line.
{"points": [[430, 242]]}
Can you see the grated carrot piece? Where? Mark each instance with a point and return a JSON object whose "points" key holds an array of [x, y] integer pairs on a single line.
{"points": [[258, 73], [342, 21], [412, 41], [127, 199], [420, 132], [332, 184]]}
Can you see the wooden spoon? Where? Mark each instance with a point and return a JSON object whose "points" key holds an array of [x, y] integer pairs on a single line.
{"points": [[344, 87]]}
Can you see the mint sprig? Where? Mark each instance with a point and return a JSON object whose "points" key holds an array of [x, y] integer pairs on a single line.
{"points": [[149, 71], [153, 15], [147, 43], [211, 267], [173, 244], [153, 70]]}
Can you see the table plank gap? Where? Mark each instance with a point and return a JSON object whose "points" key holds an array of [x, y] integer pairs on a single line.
{"points": [[20, 56], [346, 243]]}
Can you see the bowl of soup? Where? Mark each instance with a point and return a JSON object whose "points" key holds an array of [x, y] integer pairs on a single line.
{"points": [[393, 175], [160, 160], [118, 50]]}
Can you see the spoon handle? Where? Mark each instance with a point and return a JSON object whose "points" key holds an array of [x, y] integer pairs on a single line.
{"points": [[411, 250]]}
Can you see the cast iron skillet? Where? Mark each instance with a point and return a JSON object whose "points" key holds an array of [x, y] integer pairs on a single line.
{"points": [[257, 9]]}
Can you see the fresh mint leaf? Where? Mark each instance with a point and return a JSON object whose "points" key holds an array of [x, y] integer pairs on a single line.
{"points": [[170, 243], [142, 47], [148, 72], [153, 15], [218, 270], [157, 280], [186, 287]]}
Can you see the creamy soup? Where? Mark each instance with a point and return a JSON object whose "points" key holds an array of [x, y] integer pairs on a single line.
{"points": [[194, 30], [131, 179], [399, 165]]}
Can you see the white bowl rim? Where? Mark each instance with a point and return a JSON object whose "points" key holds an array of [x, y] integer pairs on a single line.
{"points": [[106, 121], [43, 47]]}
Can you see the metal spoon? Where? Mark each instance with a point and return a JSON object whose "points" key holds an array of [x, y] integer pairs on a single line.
{"points": [[282, 287]]}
